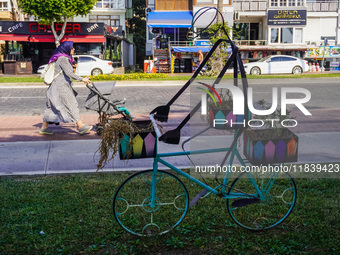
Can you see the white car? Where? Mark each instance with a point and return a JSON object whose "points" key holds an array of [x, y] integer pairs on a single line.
{"points": [[277, 64], [88, 65]]}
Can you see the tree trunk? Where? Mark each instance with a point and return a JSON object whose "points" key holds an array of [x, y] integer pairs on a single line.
{"points": [[217, 64], [56, 36]]}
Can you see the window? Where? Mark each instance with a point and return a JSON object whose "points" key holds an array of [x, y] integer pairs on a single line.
{"points": [[286, 35], [241, 31], [287, 59], [113, 20], [86, 59], [4, 6], [274, 38], [298, 35], [275, 59], [289, 2], [246, 31], [112, 4]]}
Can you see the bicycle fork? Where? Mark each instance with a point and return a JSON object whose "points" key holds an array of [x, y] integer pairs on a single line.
{"points": [[153, 184]]}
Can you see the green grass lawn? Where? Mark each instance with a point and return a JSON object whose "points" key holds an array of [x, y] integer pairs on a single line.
{"points": [[73, 215]]}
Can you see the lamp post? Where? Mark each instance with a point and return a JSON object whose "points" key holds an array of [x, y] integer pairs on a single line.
{"points": [[323, 54]]}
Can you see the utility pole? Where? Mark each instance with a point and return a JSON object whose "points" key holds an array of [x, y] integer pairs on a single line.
{"points": [[323, 54], [220, 9]]}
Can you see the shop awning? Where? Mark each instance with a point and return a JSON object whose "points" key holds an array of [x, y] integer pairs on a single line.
{"points": [[193, 49], [282, 47], [50, 38], [170, 19]]}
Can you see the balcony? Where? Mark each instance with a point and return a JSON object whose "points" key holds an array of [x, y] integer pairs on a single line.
{"points": [[110, 5], [250, 6], [6, 15], [329, 6]]}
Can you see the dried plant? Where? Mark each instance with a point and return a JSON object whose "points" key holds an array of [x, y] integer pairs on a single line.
{"points": [[111, 139]]}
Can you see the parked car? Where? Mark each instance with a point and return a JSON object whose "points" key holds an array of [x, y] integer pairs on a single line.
{"points": [[88, 65], [277, 64]]}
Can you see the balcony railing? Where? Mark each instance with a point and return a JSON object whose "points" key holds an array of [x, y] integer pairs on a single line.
{"points": [[329, 6], [262, 5], [250, 5], [181, 43], [250, 42]]}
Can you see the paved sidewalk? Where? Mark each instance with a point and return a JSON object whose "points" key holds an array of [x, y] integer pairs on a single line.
{"points": [[80, 156], [24, 152]]}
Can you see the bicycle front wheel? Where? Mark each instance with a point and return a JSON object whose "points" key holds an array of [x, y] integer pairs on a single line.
{"points": [[135, 212], [248, 211]]}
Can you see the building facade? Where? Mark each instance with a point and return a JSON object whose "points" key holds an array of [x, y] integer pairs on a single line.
{"points": [[260, 28], [101, 34]]}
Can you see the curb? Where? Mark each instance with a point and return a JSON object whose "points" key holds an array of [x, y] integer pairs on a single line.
{"points": [[118, 83]]}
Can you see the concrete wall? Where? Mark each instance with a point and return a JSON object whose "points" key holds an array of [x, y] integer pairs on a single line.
{"points": [[320, 26]]}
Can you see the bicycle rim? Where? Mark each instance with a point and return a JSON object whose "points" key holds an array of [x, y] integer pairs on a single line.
{"points": [[252, 213], [132, 203]]}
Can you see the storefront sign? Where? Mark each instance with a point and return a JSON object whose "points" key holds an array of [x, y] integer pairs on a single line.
{"points": [[114, 31], [287, 17], [318, 52], [203, 43], [72, 28], [334, 64]]}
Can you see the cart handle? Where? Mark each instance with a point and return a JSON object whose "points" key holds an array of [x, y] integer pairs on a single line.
{"points": [[158, 132]]}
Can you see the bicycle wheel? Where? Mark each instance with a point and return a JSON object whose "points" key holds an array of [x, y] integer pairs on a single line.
{"points": [[132, 203], [252, 213]]}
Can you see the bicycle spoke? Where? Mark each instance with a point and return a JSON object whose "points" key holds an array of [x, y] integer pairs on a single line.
{"points": [[279, 196], [133, 208]]}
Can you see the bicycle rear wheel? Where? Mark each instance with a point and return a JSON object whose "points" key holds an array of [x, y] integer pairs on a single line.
{"points": [[251, 213], [132, 203]]}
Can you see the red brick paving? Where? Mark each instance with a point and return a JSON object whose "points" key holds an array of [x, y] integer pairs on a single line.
{"points": [[26, 128]]}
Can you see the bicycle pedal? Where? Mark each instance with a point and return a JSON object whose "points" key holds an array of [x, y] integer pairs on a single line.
{"points": [[197, 197], [244, 202]]}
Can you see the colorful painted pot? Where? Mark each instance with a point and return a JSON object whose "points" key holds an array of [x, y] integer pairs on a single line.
{"points": [[225, 119], [143, 144], [270, 149]]}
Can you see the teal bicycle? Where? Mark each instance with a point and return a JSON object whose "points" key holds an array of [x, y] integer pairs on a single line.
{"points": [[153, 202], [254, 201]]}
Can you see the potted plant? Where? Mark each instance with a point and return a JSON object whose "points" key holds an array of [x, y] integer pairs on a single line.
{"points": [[132, 139], [271, 144], [220, 112]]}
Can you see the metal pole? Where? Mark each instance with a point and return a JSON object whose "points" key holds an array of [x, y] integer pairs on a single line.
{"points": [[323, 54]]}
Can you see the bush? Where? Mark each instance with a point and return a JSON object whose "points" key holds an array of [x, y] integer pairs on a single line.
{"points": [[124, 77]]}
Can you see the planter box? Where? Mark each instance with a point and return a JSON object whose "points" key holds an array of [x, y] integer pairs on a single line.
{"points": [[270, 149], [10, 67], [225, 119], [144, 143], [24, 67]]}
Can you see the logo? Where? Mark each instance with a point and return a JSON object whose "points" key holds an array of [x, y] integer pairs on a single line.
{"points": [[204, 98], [238, 99]]}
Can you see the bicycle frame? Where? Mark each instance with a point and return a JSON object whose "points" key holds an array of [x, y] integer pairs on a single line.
{"points": [[234, 152]]}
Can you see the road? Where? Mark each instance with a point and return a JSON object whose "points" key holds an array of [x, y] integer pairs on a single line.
{"points": [[30, 100]]}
